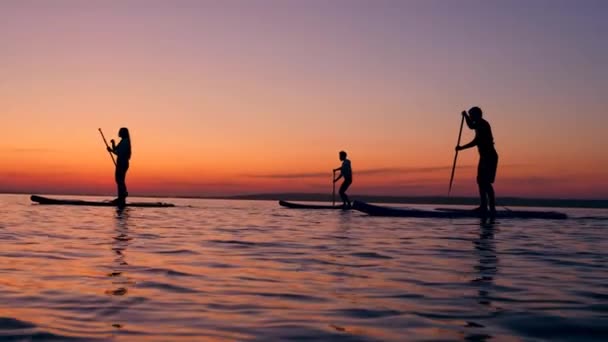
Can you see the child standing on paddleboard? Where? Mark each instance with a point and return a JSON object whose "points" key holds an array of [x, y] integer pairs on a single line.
{"points": [[123, 155], [347, 173]]}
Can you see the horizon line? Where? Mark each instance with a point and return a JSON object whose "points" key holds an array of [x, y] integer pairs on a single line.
{"points": [[396, 199]]}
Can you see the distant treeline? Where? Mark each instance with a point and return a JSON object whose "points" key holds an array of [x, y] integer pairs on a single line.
{"points": [[502, 201]]}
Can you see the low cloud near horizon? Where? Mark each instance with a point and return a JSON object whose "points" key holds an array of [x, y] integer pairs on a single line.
{"points": [[367, 172]]}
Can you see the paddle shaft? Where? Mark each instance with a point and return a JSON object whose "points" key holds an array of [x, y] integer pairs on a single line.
{"points": [[108, 146], [456, 155], [333, 194]]}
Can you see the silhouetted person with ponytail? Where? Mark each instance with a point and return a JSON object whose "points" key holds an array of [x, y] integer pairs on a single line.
{"points": [[123, 154], [488, 159]]}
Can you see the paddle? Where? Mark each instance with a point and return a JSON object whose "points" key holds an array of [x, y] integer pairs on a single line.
{"points": [[333, 194], [108, 146], [456, 155]]}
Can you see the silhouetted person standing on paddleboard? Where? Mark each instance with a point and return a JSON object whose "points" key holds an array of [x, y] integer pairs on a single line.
{"points": [[347, 173], [123, 154], [488, 159]]}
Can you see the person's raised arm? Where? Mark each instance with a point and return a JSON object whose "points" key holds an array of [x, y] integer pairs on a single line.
{"points": [[468, 119]]}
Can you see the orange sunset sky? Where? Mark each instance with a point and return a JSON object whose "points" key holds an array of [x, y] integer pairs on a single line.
{"points": [[241, 97]]}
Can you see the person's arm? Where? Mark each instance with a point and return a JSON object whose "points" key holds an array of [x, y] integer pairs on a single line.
{"points": [[468, 119], [113, 148], [469, 145], [471, 125], [339, 176]]}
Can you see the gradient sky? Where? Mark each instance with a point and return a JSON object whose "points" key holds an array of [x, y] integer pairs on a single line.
{"points": [[230, 97]]}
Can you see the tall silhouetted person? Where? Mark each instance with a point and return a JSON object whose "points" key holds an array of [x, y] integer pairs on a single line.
{"points": [[347, 173], [488, 159], [123, 154]]}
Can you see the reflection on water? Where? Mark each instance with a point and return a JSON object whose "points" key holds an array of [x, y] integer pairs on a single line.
{"points": [[486, 270], [487, 266], [119, 275], [238, 270], [337, 258], [120, 243]]}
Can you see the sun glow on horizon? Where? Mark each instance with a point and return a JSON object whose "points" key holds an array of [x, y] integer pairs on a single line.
{"points": [[226, 99]]}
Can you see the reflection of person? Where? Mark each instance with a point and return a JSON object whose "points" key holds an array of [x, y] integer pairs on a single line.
{"points": [[487, 268], [120, 242], [488, 159], [123, 154], [347, 173]]}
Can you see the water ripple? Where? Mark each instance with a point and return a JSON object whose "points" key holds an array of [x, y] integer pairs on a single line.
{"points": [[249, 270]]}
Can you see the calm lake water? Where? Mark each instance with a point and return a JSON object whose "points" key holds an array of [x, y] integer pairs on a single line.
{"points": [[250, 270]]}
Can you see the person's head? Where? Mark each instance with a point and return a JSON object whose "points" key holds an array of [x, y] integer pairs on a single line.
{"points": [[124, 133], [342, 155], [475, 113]]}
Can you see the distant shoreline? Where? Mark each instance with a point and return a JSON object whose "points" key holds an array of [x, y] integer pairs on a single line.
{"points": [[435, 200]]}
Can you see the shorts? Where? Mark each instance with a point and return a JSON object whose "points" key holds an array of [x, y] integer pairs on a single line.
{"points": [[486, 169]]}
